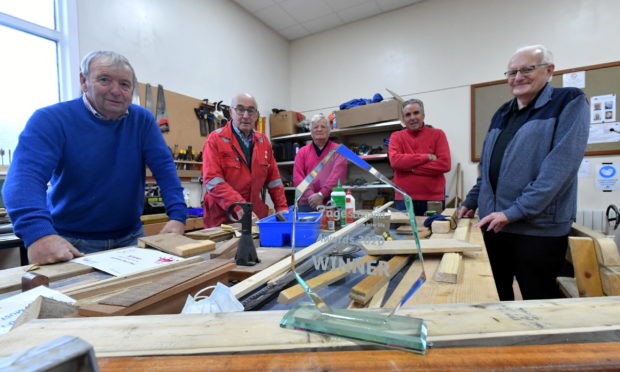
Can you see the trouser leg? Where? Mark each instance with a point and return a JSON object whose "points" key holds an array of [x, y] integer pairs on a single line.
{"points": [[500, 249], [539, 262]]}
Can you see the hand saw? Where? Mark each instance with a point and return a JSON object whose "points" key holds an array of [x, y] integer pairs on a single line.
{"points": [[162, 114], [148, 99]]}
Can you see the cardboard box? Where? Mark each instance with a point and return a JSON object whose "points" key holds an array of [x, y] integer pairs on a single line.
{"points": [[283, 123], [368, 114]]}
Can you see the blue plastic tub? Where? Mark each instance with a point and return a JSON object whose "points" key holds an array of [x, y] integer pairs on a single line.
{"points": [[274, 233]]}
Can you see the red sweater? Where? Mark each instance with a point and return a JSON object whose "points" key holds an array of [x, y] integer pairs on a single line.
{"points": [[414, 173]]}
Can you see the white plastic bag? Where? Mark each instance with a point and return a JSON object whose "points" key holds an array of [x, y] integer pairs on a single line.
{"points": [[221, 300]]}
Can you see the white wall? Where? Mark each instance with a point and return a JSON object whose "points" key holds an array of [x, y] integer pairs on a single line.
{"points": [[435, 49], [201, 48]]}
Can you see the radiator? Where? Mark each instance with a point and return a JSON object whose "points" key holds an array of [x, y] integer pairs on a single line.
{"points": [[592, 218]]}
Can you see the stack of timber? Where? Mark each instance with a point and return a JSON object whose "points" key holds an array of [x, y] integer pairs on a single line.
{"points": [[596, 263], [176, 244], [216, 234], [152, 224], [162, 291]]}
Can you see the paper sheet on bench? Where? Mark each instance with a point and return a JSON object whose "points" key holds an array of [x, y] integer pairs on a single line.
{"points": [[127, 261]]}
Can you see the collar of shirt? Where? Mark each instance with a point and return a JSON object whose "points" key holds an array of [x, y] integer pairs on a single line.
{"points": [[95, 112], [246, 141]]}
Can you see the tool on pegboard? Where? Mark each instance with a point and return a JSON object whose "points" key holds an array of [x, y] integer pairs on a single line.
{"points": [[162, 114]]}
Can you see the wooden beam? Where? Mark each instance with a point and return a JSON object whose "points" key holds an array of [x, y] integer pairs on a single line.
{"points": [[462, 229], [112, 284], [363, 291], [441, 227], [450, 325], [450, 268], [586, 267], [243, 288], [429, 246], [606, 250], [610, 278], [376, 300], [296, 292], [405, 284]]}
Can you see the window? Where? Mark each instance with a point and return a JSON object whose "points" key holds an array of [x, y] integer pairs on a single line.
{"points": [[39, 64]]}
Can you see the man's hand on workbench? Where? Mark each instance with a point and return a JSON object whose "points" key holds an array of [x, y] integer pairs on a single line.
{"points": [[465, 212], [173, 226], [495, 220], [50, 249]]}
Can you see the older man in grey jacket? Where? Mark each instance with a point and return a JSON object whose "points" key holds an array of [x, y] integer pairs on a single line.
{"points": [[527, 190]]}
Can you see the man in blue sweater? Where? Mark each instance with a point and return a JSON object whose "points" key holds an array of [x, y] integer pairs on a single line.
{"points": [[527, 190], [92, 151]]}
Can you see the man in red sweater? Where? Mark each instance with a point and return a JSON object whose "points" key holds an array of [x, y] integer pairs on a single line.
{"points": [[420, 156]]}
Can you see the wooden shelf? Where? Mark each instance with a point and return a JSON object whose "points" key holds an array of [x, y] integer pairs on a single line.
{"points": [[369, 128], [188, 162]]}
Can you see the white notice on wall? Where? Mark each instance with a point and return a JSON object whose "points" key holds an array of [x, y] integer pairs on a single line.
{"points": [[604, 132], [127, 261], [584, 169], [603, 109], [606, 177], [575, 79]]}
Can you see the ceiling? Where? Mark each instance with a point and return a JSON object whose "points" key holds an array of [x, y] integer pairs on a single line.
{"points": [[295, 19]]}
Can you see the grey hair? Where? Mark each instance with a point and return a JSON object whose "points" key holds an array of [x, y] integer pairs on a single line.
{"points": [[109, 58], [547, 56], [412, 101], [316, 118]]}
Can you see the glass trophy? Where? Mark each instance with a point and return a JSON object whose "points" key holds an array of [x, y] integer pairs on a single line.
{"points": [[340, 260]]}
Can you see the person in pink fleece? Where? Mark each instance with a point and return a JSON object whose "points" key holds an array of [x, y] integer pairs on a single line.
{"points": [[307, 159], [420, 156]]}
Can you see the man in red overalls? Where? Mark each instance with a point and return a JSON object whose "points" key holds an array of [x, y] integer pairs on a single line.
{"points": [[237, 163]]}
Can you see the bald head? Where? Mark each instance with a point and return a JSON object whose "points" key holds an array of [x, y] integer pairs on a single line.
{"points": [[244, 112]]}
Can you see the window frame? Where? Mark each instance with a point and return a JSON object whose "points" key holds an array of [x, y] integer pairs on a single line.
{"points": [[66, 38]]}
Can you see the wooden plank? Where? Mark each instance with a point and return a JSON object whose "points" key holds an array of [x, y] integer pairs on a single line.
{"points": [[610, 279], [296, 292], [11, 279], [225, 249], [267, 256], [557, 357], [405, 284], [363, 291], [568, 286], [255, 281], [377, 300], [168, 301], [585, 264], [176, 244], [477, 283], [429, 246], [462, 229], [215, 234], [143, 291], [112, 284], [450, 325], [440, 227], [450, 267], [154, 218], [606, 250], [190, 224]]}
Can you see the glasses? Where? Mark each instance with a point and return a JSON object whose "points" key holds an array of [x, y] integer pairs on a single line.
{"points": [[525, 71], [240, 110]]}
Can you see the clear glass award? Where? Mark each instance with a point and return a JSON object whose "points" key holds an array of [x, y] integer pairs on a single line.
{"points": [[340, 274]]}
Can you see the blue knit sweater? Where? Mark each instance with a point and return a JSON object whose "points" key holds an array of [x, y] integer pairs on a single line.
{"points": [[537, 184], [96, 169]]}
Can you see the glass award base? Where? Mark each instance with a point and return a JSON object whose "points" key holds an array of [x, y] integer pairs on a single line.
{"points": [[399, 332]]}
